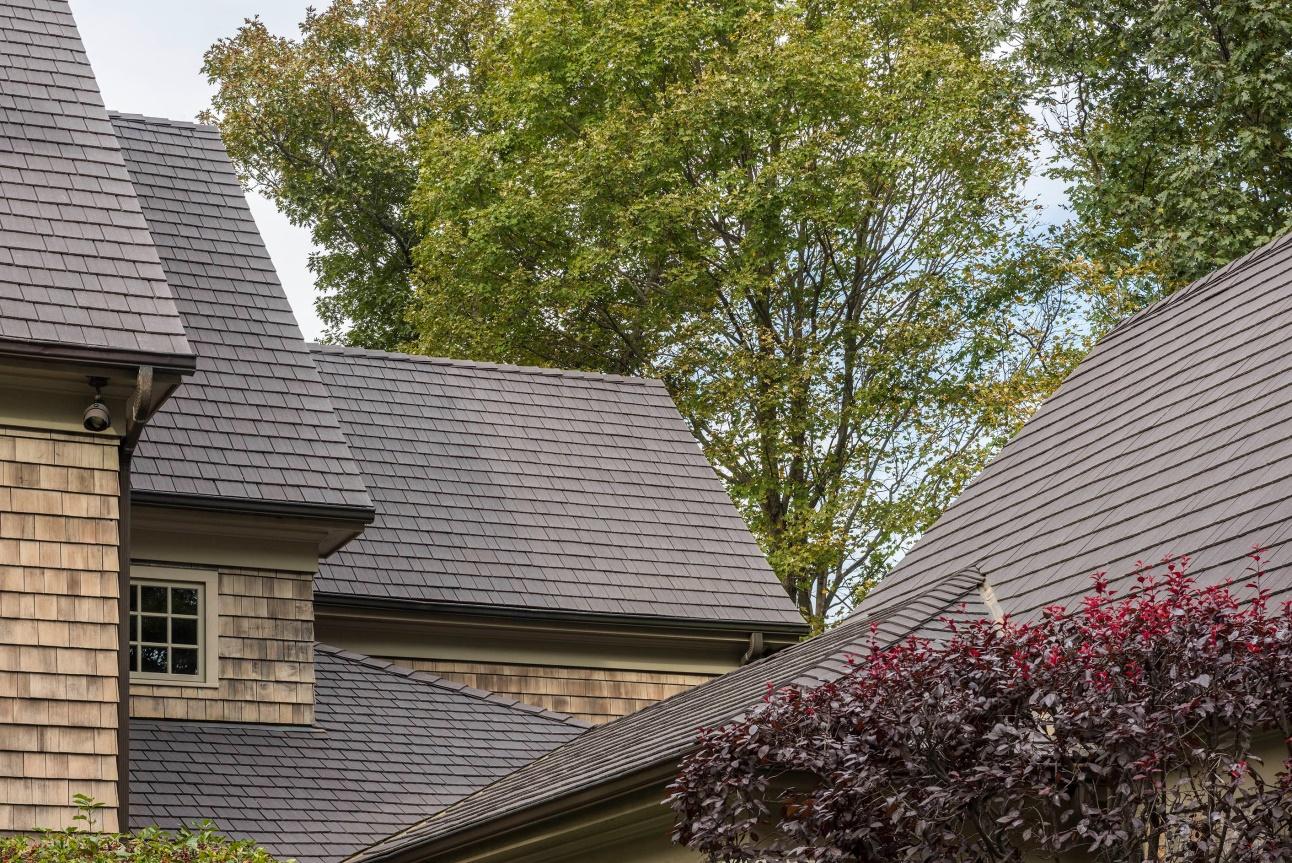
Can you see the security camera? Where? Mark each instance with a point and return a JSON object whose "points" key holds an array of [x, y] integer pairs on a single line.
{"points": [[97, 416]]}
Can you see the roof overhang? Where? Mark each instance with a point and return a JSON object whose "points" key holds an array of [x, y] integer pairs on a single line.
{"points": [[614, 811], [331, 526], [57, 352], [776, 632]]}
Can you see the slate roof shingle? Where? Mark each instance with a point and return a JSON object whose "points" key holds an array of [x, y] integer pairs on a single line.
{"points": [[79, 277], [255, 422], [389, 745], [1174, 436], [538, 489]]}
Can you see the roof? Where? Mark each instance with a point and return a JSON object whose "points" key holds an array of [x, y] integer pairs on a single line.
{"points": [[1173, 437], [255, 422], [389, 745], [663, 732], [538, 489], [79, 277]]}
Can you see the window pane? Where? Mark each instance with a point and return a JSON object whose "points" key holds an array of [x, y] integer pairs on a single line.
{"points": [[154, 629], [154, 660], [183, 630], [183, 600], [153, 598], [134, 597], [134, 627], [183, 661], [134, 658]]}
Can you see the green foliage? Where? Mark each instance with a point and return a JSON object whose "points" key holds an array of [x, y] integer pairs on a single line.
{"points": [[803, 216], [1172, 121], [81, 844], [325, 126]]}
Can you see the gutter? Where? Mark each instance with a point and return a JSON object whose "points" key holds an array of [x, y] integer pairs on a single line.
{"points": [[180, 364], [242, 506], [742, 627], [529, 817]]}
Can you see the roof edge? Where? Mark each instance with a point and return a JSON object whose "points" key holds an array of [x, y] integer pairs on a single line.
{"points": [[345, 600], [432, 679], [330, 511], [585, 798], [182, 364], [479, 365]]}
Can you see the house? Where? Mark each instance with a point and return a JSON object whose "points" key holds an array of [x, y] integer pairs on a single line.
{"points": [[1170, 438], [192, 499]]}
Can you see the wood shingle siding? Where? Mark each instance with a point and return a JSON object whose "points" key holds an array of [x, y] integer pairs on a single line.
{"points": [[59, 619], [592, 694], [266, 642]]}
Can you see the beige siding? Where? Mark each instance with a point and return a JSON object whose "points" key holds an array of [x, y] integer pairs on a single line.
{"points": [[266, 652], [59, 626], [591, 694]]}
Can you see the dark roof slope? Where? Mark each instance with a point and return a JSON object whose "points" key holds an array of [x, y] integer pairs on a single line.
{"points": [[389, 745], [1173, 437], [538, 489], [255, 422], [659, 735], [78, 273]]}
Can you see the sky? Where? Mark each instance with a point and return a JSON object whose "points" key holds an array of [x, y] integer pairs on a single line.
{"points": [[147, 56]]}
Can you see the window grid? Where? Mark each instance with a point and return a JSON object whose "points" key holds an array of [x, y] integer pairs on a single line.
{"points": [[166, 629]]}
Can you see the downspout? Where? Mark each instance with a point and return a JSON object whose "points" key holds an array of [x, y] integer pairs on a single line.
{"points": [[123, 642], [139, 407]]}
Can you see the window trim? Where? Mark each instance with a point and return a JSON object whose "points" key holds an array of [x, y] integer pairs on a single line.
{"points": [[208, 636]]}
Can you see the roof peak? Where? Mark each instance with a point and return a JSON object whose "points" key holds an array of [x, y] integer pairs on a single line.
{"points": [[480, 365], [126, 116]]}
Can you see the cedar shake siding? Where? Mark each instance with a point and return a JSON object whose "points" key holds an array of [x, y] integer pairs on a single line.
{"points": [[595, 695], [59, 626], [266, 654]]}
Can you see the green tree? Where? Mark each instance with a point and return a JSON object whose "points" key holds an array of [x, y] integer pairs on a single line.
{"points": [[325, 125], [803, 216], [1170, 121]]}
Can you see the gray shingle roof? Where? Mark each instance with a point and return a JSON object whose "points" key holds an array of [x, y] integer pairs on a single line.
{"points": [[389, 745], [79, 275], [1173, 437], [662, 733], [254, 422], [537, 489]]}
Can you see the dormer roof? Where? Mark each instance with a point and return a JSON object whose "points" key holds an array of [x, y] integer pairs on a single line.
{"points": [[254, 426]]}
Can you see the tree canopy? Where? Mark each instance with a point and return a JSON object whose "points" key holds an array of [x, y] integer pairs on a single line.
{"points": [[803, 216], [1170, 124]]}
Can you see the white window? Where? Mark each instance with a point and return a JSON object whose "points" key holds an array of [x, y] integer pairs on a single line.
{"points": [[172, 626]]}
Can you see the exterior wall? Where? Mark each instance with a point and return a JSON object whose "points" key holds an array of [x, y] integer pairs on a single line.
{"points": [[596, 671], [59, 626], [265, 653], [591, 694]]}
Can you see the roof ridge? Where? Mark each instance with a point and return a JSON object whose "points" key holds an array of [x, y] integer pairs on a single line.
{"points": [[372, 353], [432, 679], [163, 121]]}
